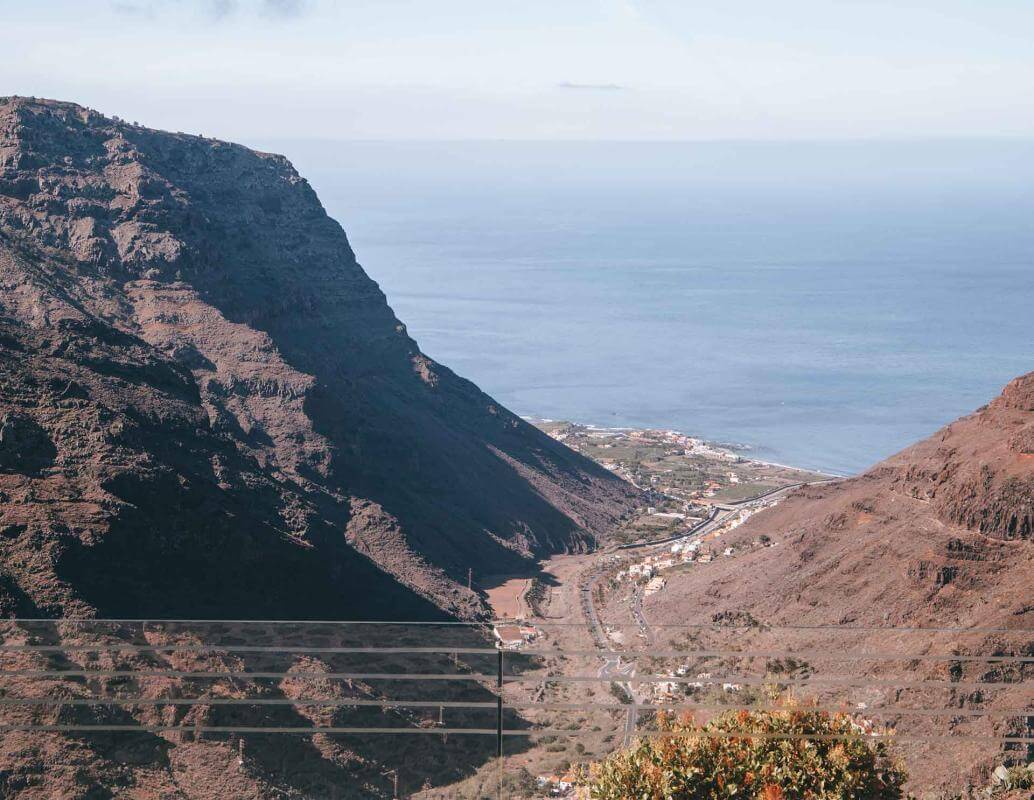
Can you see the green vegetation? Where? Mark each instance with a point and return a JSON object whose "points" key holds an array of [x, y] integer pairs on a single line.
{"points": [[745, 758], [1011, 779], [682, 473], [536, 593]]}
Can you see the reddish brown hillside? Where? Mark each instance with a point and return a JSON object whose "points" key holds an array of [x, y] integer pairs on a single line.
{"points": [[207, 404], [941, 533], [938, 536], [208, 410]]}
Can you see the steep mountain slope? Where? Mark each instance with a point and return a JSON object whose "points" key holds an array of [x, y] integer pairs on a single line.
{"points": [[940, 533], [209, 409], [939, 536]]}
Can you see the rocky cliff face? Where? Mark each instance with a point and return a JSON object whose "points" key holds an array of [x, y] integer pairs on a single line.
{"points": [[209, 409], [980, 475]]}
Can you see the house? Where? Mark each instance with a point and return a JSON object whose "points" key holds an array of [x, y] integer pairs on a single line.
{"points": [[666, 689], [556, 785], [511, 637]]}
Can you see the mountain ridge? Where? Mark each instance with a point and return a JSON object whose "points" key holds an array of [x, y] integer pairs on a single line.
{"points": [[186, 327]]}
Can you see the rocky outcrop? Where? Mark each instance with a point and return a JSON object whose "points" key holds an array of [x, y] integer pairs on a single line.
{"points": [[980, 475], [206, 403]]}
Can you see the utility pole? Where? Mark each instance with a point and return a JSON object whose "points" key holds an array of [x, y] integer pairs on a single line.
{"points": [[499, 721], [470, 578], [395, 776]]}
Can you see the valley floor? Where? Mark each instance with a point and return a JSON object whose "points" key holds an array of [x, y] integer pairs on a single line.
{"points": [[586, 608]]}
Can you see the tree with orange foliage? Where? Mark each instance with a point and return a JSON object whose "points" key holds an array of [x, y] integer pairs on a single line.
{"points": [[785, 754]]}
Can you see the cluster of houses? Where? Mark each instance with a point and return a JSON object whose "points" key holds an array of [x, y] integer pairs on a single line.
{"points": [[686, 551], [648, 570], [680, 553], [711, 488], [666, 691]]}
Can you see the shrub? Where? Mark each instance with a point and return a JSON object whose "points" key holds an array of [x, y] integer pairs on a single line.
{"points": [[685, 765], [1009, 779], [519, 783]]}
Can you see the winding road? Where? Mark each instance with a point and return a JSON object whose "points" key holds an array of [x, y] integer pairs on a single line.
{"points": [[613, 669]]}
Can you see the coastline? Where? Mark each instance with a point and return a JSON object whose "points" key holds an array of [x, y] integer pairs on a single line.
{"points": [[683, 478], [725, 448]]}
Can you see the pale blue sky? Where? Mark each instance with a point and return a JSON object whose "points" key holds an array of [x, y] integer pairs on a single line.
{"points": [[534, 69]]}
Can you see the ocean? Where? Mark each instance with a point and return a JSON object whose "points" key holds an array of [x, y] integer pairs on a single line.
{"points": [[823, 304]]}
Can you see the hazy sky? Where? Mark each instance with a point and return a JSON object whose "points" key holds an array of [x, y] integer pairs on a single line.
{"points": [[534, 69]]}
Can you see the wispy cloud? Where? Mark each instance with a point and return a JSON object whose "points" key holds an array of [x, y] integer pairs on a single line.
{"points": [[133, 9], [217, 9], [285, 8], [597, 87]]}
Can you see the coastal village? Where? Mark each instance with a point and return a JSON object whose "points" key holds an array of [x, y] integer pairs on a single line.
{"points": [[685, 477], [695, 493]]}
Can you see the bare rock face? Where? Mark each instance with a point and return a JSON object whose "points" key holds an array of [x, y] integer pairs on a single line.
{"points": [[209, 409], [981, 474]]}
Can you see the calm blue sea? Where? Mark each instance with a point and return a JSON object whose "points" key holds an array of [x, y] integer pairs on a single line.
{"points": [[823, 303]]}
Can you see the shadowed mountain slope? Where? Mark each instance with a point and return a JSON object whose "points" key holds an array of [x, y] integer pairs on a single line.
{"points": [[209, 409]]}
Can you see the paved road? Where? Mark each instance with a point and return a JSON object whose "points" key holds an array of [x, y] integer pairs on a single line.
{"points": [[613, 669], [668, 540], [721, 512], [630, 724], [589, 610], [623, 674], [640, 617]]}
